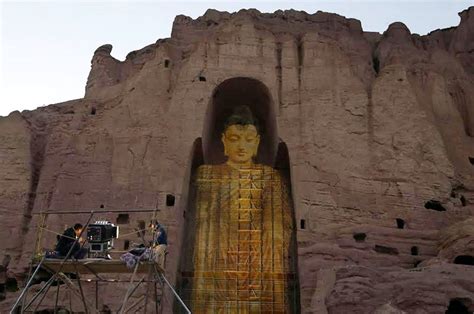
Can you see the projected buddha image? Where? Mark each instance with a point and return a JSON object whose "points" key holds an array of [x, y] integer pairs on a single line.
{"points": [[241, 230]]}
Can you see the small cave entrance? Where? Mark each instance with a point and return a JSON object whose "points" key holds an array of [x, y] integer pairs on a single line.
{"points": [[435, 205], [126, 245], [359, 237], [400, 223], [11, 285], [464, 260], [209, 150], [459, 306], [170, 199]]}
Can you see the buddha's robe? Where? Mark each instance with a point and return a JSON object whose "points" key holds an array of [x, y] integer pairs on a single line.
{"points": [[242, 226]]}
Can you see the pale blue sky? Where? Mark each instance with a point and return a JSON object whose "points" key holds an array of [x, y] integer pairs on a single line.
{"points": [[46, 46]]}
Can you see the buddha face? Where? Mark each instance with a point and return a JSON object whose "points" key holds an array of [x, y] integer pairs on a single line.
{"points": [[240, 143]]}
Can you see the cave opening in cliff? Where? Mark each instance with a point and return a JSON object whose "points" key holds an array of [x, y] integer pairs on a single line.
{"points": [[400, 223], [126, 245], [170, 199], [11, 285], [359, 237], [239, 214], [458, 306], [464, 260], [435, 205]]}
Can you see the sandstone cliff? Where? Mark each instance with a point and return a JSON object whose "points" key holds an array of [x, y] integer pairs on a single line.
{"points": [[379, 130]]}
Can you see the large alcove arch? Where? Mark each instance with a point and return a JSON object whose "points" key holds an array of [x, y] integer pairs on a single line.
{"points": [[209, 149], [226, 96]]}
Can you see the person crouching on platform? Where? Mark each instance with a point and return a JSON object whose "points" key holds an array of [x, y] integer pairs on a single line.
{"points": [[160, 243], [68, 240]]}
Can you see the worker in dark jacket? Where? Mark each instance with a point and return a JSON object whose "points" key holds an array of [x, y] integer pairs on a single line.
{"points": [[68, 240]]}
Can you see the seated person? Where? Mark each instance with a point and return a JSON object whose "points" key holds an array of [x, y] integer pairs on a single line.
{"points": [[68, 240]]}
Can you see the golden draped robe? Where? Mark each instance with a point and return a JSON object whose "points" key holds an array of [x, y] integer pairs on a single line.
{"points": [[239, 257]]}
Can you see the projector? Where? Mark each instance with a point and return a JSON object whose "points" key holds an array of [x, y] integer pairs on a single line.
{"points": [[101, 235]]}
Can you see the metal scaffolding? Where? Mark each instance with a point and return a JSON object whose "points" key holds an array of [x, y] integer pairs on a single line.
{"points": [[67, 274]]}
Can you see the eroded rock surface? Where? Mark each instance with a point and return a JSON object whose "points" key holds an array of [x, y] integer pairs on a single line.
{"points": [[378, 127]]}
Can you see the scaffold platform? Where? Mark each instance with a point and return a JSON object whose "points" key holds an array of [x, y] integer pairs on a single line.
{"points": [[68, 273], [95, 266]]}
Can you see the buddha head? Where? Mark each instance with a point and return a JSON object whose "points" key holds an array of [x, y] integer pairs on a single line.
{"points": [[240, 137]]}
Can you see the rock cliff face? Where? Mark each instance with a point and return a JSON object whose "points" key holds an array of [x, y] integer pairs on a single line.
{"points": [[379, 130]]}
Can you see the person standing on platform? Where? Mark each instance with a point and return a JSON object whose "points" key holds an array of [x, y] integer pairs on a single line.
{"points": [[160, 243]]}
